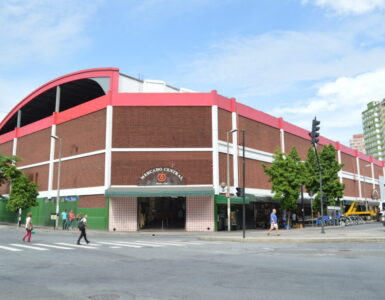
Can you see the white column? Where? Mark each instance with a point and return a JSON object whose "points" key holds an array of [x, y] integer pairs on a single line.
{"points": [[14, 146], [339, 161], [372, 169], [359, 177], [214, 126], [235, 150], [107, 169], [51, 161], [282, 138]]}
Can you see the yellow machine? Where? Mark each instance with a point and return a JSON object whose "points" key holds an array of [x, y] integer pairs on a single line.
{"points": [[353, 211]]}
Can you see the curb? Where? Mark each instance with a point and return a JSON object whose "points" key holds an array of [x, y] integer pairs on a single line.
{"points": [[295, 240]]}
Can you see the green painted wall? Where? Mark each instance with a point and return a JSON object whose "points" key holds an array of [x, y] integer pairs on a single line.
{"points": [[97, 217], [41, 214], [5, 215]]}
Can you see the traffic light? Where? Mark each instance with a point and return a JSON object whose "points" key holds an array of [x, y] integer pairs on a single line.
{"points": [[314, 134], [240, 191]]}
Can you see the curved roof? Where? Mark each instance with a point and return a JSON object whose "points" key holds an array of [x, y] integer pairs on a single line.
{"points": [[45, 93]]}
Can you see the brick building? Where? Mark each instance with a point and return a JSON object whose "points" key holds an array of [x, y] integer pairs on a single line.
{"points": [[144, 155]]}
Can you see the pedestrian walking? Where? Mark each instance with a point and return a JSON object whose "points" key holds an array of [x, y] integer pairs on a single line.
{"points": [[294, 218], [273, 221], [64, 219], [28, 228], [71, 217], [82, 228]]}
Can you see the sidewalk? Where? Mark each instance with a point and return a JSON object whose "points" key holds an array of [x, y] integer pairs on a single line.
{"points": [[372, 232]]}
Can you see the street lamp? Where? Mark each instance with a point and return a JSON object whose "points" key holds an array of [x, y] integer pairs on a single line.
{"points": [[228, 179], [58, 180]]}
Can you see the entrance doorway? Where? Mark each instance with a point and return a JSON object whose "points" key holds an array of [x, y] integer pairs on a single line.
{"points": [[162, 213]]}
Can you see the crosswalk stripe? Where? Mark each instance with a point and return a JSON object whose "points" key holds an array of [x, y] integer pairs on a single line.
{"points": [[76, 246], [29, 247], [56, 247], [141, 244], [123, 245], [185, 243], [166, 244], [10, 249]]}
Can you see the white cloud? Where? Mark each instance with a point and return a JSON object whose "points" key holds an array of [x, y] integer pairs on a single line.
{"points": [[345, 7], [42, 30], [339, 104], [271, 63]]}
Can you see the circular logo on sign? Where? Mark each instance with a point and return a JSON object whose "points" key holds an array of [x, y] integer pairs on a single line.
{"points": [[161, 177]]}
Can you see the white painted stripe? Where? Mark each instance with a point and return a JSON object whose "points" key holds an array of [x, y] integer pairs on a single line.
{"points": [[97, 190], [115, 247], [10, 249], [184, 243], [161, 149], [166, 244], [56, 247], [76, 246], [234, 123], [63, 159], [29, 247], [215, 151], [141, 244], [122, 245], [107, 159]]}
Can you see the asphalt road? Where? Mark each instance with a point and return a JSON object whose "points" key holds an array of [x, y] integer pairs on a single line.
{"points": [[182, 267]]}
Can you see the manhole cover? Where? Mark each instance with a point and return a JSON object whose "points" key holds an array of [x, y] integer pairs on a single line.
{"points": [[104, 297]]}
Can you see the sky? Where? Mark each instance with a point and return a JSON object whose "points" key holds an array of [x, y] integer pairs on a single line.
{"points": [[295, 59]]}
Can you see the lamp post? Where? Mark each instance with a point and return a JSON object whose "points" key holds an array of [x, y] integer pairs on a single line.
{"points": [[228, 180], [58, 180]]}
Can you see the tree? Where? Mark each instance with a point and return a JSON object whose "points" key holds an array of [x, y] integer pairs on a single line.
{"points": [[332, 188], [286, 176], [23, 192]]}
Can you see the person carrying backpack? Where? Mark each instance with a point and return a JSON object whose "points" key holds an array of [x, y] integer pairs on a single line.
{"points": [[82, 228]]}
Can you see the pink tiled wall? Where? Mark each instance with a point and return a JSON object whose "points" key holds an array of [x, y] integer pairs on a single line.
{"points": [[123, 214], [200, 213]]}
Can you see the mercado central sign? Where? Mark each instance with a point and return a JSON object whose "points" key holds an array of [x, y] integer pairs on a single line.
{"points": [[161, 176]]}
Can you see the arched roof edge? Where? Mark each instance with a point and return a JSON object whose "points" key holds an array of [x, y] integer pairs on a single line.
{"points": [[55, 82]]}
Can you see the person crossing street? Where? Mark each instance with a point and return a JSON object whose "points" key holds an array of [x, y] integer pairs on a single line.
{"points": [[82, 228]]}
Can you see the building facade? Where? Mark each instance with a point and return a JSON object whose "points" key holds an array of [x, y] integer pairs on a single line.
{"points": [[357, 142], [139, 155], [373, 123]]}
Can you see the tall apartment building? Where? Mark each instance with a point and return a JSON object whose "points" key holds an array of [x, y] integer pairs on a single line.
{"points": [[373, 121], [357, 142]]}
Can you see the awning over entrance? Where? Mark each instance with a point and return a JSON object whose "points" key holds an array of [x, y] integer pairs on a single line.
{"points": [[159, 191], [222, 199]]}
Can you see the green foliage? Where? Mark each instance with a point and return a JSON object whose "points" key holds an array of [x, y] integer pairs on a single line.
{"points": [[331, 186], [23, 192], [286, 176]]}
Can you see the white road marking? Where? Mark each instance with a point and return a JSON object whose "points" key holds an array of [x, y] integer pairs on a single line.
{"points": [[114, 247], [185, 243], [29, 247], [10, 249], [76, 246], [56, 247], [165, 244], [141, 244], [120, 245]]}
